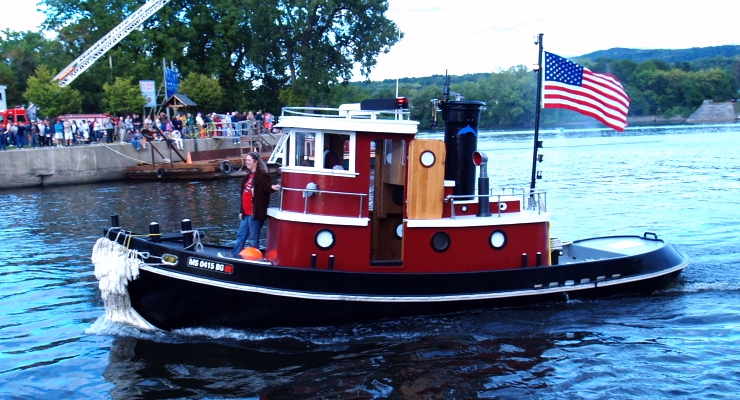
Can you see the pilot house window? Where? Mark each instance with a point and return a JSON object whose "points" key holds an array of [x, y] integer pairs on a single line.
{"points": [[315, 149], [305, 152]]}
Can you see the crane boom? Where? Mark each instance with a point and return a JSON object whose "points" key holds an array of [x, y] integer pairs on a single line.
{"points": [[97, 50]]}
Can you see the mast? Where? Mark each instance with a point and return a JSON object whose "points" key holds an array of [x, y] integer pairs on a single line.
{"points": [[537, 143]]}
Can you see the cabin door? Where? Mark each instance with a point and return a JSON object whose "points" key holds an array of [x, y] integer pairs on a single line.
{"points": [[388, 199]]}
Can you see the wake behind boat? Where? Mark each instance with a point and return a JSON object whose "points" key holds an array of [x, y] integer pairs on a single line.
{"points": [[401, 226]]}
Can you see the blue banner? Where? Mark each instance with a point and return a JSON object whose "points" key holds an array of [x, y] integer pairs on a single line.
{"points": [[171, 82]]}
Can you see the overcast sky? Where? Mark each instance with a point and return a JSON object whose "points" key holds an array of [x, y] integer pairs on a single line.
{"points": [[471, 36]]}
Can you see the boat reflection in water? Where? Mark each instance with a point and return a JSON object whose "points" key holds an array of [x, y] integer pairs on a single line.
{"points": [[379, 360]]}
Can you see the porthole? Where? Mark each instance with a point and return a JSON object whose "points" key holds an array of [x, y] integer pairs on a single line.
{"points": [[440, 242], [325, 239], [502, 206], [497, 239], [399, 231], [427, 158]]}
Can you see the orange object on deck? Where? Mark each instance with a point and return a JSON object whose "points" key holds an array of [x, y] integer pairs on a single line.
{"points": [[251, 253]]}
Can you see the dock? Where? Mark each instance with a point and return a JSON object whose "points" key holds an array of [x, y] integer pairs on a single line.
{"points": [[54, 166]]}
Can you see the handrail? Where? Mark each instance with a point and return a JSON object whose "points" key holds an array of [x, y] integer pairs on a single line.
{"points": [[307, 193], [346, 113], [538, 199]]}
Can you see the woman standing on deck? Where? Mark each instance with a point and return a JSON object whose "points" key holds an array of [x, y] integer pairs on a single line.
{"points": [[255, 197]]}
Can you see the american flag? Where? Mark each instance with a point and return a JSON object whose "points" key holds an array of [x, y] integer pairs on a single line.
{"points": [[571, 86]]}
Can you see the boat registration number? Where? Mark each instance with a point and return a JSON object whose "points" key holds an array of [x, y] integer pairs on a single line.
{"points": [[210, 265]]}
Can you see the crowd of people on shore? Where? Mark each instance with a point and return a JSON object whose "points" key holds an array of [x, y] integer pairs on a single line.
{"points": [[57, 132], [68, 131]]}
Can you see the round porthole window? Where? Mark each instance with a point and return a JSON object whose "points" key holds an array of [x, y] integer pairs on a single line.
{"points": [[440, 242], [325, 239], [502, 206], [498, 240], [427, 158]]}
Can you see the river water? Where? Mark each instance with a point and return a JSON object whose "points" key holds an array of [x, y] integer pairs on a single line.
{"points": [[680, 182]]}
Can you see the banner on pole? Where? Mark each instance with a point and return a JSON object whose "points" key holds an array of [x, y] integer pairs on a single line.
{"points": [[149, 91], [171, 82]]}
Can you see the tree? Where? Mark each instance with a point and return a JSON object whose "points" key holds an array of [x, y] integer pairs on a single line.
{"points": [[322, 41], [204, 91], [23, 52], [510, 98], [123, 96], [7, 78], [254, 48], [78, 25], [51, 99]]}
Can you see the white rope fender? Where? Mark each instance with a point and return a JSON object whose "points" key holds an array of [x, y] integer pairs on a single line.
{"points": [[115, 267]]}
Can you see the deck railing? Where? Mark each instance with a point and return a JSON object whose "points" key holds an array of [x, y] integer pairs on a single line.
{"points": [[346, 112], [308, 193], [534, 201]]}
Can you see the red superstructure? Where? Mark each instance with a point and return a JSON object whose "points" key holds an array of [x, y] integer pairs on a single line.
{"points": [[389, 207]]}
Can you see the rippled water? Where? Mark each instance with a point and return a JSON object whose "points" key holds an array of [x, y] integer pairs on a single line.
{"points": [[684, 342]]}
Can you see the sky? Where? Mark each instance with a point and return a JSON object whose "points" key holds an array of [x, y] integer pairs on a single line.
{"points": [[472, 36]]}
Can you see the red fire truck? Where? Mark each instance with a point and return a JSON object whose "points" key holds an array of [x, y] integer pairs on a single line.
{"points": [[16, 115]]}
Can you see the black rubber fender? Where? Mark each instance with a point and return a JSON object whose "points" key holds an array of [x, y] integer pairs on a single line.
{"points": [[226, 167], [161, 173]]}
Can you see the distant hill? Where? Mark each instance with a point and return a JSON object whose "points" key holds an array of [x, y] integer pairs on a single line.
{"points": [[669, 56]]}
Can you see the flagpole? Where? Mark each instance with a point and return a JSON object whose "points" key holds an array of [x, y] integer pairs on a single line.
{"points": [[538, 103], [399, 39]]}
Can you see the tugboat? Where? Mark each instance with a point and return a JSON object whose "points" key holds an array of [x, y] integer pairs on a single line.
{"points": [[400, 226]]}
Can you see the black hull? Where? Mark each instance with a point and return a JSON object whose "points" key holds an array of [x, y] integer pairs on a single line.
{"points": [[186, 304], [258, 295]]}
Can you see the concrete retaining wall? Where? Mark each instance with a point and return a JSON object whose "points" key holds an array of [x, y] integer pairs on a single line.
{"points": [[48, 166], [711, 112]]}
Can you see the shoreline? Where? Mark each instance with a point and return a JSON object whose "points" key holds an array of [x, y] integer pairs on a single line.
{"points": [[72, 165], [56, 166]]}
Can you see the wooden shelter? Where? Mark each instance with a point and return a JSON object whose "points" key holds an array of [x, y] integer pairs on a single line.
{"points": [[178, 101]]}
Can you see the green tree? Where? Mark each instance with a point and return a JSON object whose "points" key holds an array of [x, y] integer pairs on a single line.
{"points": [[322, 41], [204, 91], [23, 52], [51, 99], [7, 78], [511, 98], [255, 48], [78, 25], [123, 96]]}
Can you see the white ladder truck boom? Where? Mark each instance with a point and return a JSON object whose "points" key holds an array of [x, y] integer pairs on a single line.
{"points": [[97, 50]]}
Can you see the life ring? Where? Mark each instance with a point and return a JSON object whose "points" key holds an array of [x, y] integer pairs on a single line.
{"points": [[161, 173], [226, 167]]}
